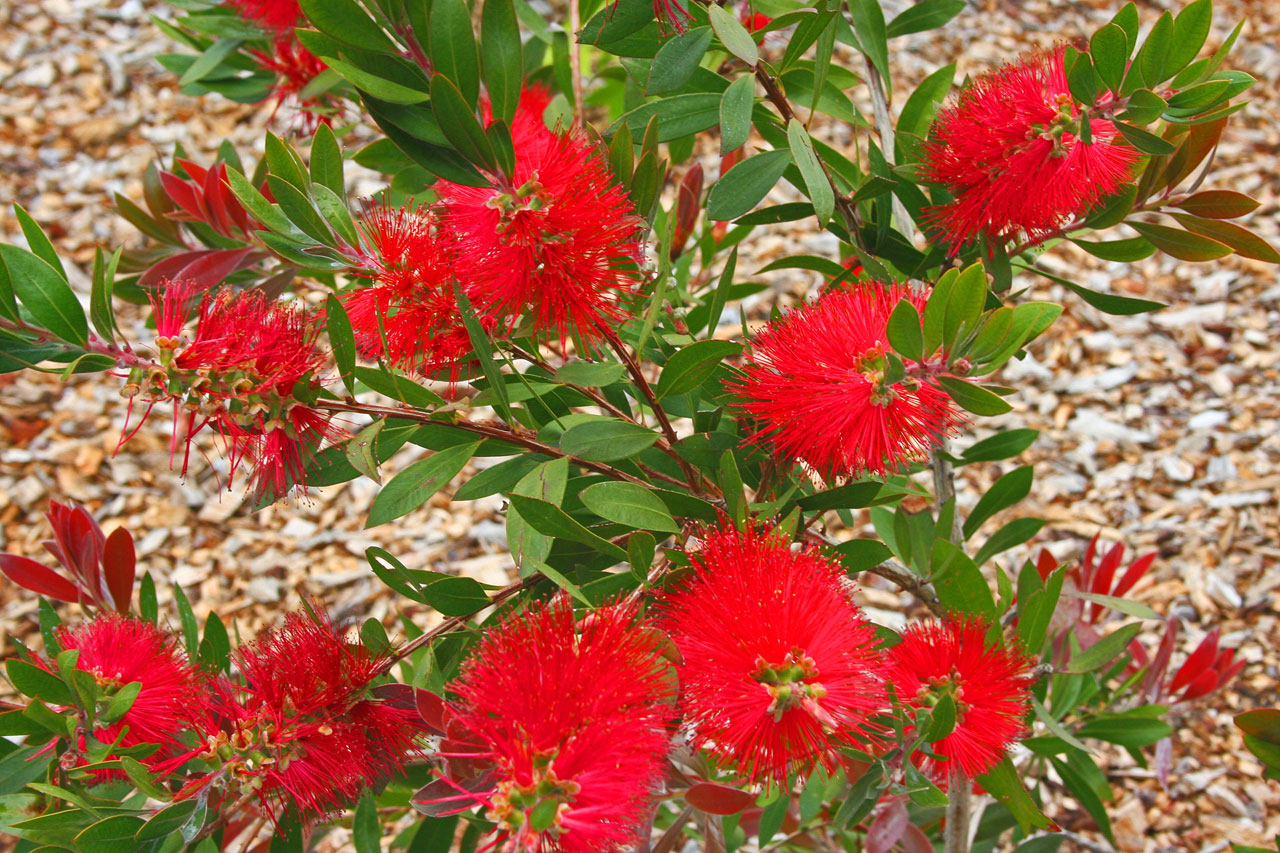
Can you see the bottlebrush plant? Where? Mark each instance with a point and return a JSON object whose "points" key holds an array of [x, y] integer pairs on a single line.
{"points": [[550, 281]]}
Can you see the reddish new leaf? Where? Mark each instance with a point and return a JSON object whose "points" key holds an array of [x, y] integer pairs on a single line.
{"points": [[1160, 665], [1198, 661], [887, 828], [715, 798], [1133, 574], [432, 710], [38, 578], [119, 567]]}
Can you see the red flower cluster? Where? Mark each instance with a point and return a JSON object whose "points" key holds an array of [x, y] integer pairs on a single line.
{"points": [[1009, 153], [293, 65], [779, 665], [240, 373], [411, 304], [573, 718], [304, 732], [558, 242], [174, 696], [815, 384], [989, 684]]}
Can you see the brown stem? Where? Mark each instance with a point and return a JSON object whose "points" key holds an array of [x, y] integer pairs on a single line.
{"points": [[125, 356], [894, 572], [959, 800]]}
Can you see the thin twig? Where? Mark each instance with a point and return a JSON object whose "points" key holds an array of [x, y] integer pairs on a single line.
{"points": [[575, 61]]}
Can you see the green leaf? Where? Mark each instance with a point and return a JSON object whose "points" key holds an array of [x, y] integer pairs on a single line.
{"points": [[546, 482], [1105, 650], [746, 184], [1002, 445], [973, 398], [300, 210], [858, 555], [411, 488], [944, 719], [1144, 141], [925, 15], [676, 60], [342, 341], [1262, 723], [1110, 303], [735, 113], [38, 683], [918, 111], [848, 496], [591, 374], [208, 61], [1130, 730], [1190, 29], [121, 702], [459, 124], [1125, 251], [905, 335], [100, 308], [44, 293], [678, 116], [1005, 784], [1011, 535], [376, 85], [553, 521], [693, 365], [1078, 784], [1004, 493], [959, 582], [453, 49], [733, 35], [480, 343], [1182, 244], [501, 51], [629, 504], [872, 35], [815, 179], [40, 245], [606, 440], [167, 821], [345, 21], [964, 305], [111, 835]]}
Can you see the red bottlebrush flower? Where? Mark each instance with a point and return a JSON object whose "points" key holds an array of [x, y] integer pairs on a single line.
{"points": [[573, 718], [814, 384], [528, 121], [295, 67], [989, 684], [560, 241], [307, 732], [780, 667], [119, 650], [1008, 152], [247, 359], [276, 16], [412, 301]]}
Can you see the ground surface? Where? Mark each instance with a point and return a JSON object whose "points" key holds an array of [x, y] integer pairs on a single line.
{"points": [[1159, 431]]}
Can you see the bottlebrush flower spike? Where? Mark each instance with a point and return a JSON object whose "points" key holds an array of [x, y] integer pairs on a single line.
{"points": [[779, 665], [1008, 152], [412, 301], [814, 382], [307, 732], [174, 695], [989, 684], [573, 718], [295, 67], [239, 373], [275, 16], [559, 242]]}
